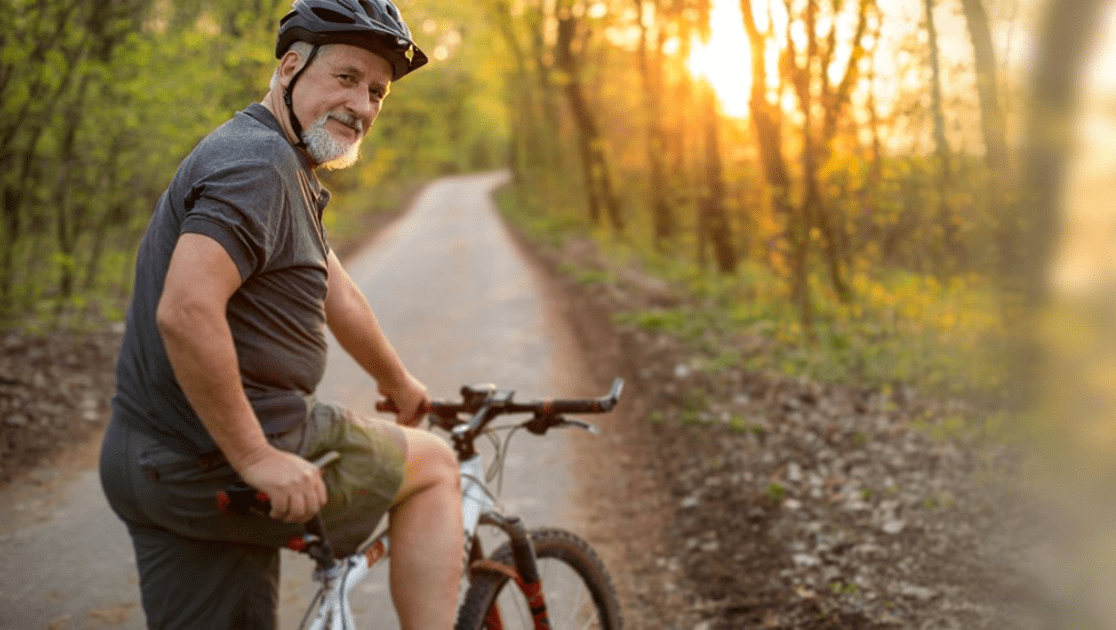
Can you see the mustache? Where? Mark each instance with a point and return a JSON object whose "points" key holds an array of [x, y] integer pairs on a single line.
{"points": [[348, 120]]}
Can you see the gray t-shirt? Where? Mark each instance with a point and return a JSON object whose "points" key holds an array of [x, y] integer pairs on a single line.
{"points": [[246, 187]]}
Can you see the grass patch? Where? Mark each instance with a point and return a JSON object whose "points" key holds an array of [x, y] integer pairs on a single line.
{"points": [[532, 215], [902, 328], [586, 275], [737, 425], [775, 492]]}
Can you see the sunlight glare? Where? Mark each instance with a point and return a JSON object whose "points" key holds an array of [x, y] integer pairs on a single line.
{"points": [[724, 59]]}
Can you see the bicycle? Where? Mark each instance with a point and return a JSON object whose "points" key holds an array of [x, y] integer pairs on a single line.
{"points": [[539, 579]]}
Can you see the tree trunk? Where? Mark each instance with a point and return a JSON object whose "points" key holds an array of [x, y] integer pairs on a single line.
{"points": [[595, 164], [993, 124], [949, 242], [992, 120], [767, 123], [67, 228], [712, 206], [1028, 236], [651, 71]]}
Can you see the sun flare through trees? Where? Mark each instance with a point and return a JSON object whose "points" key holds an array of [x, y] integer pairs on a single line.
{"points": [[723, 59]]}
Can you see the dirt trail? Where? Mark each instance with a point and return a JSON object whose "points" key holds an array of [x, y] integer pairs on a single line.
{"points": [[446, 266], [781, 504]]}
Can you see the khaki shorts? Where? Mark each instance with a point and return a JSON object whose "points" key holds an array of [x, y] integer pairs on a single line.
{"points": [[364, 482], [201, 568]]}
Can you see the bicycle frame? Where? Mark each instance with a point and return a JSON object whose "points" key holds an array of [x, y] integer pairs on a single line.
{"points": [[332, 601], [330, 608]]}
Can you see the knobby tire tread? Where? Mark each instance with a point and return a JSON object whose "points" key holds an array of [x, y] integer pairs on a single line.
{"points": [[549, 543]]}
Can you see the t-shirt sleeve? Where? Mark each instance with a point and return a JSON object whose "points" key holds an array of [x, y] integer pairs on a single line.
{"points": [[240, 207]]}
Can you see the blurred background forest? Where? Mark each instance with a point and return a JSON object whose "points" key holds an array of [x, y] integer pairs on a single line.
{"points": [[867, 181]]}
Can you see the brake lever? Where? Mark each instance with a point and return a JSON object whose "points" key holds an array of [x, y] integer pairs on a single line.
{"points": [[581, 424], [539, 425]]}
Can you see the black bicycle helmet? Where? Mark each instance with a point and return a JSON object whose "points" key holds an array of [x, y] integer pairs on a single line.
{"points": [[375, 25]]}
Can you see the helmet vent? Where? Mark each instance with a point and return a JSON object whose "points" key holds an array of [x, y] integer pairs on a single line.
{"points": [[332, 16]]}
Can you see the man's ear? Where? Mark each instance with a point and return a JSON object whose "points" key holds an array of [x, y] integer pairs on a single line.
{"points": [[288, 65]]}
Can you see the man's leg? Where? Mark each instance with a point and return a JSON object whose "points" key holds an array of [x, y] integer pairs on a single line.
{"points": [[204, 585], [427, 544], [186, 583]]}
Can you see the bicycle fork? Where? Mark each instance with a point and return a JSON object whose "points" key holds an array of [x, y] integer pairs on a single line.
{"points": [[525, 574]]}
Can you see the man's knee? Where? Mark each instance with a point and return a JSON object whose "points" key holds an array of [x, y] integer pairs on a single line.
{"points": [[430, 462]]}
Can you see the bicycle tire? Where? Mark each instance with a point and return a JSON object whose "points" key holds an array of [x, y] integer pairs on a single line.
{"points": [[578, 589]]}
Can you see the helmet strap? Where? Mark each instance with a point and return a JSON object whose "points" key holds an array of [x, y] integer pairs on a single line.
{"points": [[296, 127]]}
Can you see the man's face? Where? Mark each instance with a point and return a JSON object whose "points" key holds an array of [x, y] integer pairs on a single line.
{"points": [[337, 98]]}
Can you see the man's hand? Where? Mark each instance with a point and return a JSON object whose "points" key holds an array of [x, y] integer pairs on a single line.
{"points": [[293, 484], [410, 397]]}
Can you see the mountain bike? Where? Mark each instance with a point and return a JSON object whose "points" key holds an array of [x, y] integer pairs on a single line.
{"points": [[539, 579]]}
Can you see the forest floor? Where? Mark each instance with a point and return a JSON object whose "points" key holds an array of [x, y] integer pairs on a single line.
{"points": [[730, 499], [722, 499]]}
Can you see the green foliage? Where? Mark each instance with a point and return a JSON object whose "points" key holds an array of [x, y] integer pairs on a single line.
{"points": [[99, 103], [663, 320], [541, 223], [902, 328]]}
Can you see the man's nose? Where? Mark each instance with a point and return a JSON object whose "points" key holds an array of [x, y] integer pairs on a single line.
{"points": [[363, 106]]}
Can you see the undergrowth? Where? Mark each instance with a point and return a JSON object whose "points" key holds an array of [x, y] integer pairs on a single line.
{"points": [[900, 328]]}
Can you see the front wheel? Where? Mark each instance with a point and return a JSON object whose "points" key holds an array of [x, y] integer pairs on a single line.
{"points": [[578, 590]]}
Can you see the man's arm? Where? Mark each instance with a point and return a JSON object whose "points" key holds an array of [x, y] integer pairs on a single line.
{"points": [[193, 324], [356, 328]]}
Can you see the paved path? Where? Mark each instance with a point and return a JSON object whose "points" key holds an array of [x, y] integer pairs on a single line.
{"points": [[460, 305]]}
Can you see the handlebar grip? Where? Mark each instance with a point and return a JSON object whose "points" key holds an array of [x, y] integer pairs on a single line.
{"points": [[241, 499], [389, 406]]}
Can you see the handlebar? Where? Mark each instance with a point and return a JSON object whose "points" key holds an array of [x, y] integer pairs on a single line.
{"points": [[485, 403], [500, 402]]}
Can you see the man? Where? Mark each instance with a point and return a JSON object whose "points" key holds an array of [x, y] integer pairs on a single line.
{"points": [[225, 345]]}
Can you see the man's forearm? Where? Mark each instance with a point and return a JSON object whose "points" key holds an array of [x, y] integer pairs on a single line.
{"points": [[356, 328], [352, 322]]}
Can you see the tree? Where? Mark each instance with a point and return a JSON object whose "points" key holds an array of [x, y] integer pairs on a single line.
{"points": [[948, 238], [993, 124], [713, 222], [806, 71], [767, 120], [651, 72], [599, 186], [822, 104], [1027, 236]]}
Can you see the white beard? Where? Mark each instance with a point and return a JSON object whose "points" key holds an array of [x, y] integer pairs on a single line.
{"points": [[328, 151]]}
